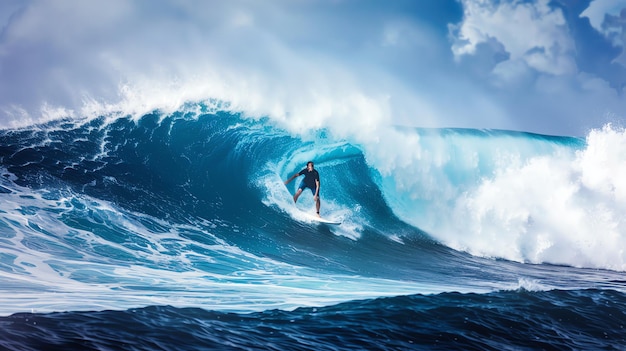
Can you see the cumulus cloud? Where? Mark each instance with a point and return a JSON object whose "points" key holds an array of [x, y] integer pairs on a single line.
{"points": [[531, 32], [547, 66]]}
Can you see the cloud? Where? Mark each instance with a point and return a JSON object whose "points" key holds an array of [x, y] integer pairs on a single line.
{"points": [[601, 14], [544, 65], [530, 32]]}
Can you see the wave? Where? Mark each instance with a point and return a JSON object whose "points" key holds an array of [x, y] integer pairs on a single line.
{"points": [[191, 205]]}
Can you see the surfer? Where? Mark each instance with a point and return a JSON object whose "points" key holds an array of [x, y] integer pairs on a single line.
{"points": [[311, 180]]}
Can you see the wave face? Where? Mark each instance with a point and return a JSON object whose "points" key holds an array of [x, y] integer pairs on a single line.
{"points": [[190, 210]]}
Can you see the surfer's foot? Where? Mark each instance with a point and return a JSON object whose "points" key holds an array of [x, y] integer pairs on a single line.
{"points": [[318, 214]]}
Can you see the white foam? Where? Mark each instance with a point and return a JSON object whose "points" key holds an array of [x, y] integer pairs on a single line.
{"points": [[95, 272], [556, 204]]}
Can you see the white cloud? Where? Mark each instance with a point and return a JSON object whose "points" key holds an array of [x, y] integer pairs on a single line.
{"points": [[597, 11], [531, 32]]}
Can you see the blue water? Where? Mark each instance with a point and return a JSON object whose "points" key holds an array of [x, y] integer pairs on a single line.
{"points": [[175, 232]]}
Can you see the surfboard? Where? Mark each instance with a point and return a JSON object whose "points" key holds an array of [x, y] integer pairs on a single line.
{"points": [[310, 217], [315, 218]]}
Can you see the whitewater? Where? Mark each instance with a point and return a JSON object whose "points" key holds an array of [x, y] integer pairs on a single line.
{"points": [[179, 222]]}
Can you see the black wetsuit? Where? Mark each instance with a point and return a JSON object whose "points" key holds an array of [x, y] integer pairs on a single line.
{"points": [[309, 179]]}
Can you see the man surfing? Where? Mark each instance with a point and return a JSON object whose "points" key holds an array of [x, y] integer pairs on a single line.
{"points": [[311, 180]]}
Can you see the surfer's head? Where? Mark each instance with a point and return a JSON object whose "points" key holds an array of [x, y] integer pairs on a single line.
{"points": [[309, 165]]}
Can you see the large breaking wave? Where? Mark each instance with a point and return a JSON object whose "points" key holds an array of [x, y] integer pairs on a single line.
{"points": [[190, 209]]}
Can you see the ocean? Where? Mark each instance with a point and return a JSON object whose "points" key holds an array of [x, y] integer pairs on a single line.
{"points": [[174, 231]]}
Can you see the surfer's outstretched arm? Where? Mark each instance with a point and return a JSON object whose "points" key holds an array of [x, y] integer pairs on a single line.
{"points": [[292, 178]]}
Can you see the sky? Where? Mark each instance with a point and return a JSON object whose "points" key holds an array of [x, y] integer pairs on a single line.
{"points": [[551, 67]]}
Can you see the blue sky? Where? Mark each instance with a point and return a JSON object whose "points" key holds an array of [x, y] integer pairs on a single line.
{"points": [[553, 67]]}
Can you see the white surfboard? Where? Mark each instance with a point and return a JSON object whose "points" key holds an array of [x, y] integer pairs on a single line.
{"points": [[315, 218]]}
